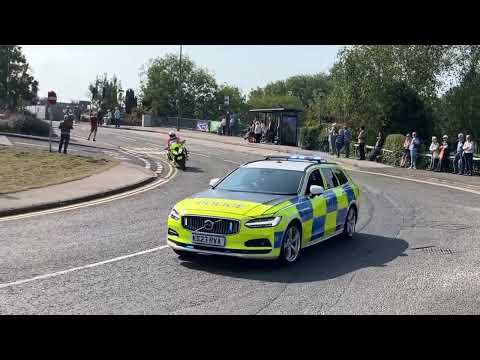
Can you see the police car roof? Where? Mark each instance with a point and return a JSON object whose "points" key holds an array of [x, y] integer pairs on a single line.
{"points": [[280, 164]]}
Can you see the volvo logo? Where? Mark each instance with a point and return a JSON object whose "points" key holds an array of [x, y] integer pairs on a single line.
{"points": [[208, 225]]}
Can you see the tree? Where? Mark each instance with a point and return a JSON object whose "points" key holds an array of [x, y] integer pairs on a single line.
{"points": [[237, 100], [160, 88], [17, 86], [106, 94], [130, 101]]}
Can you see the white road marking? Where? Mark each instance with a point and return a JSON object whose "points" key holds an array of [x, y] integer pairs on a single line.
{"points": [[233, 162], [128, 138], [64, 272], [199, 154], [415, 180], [30, 144]]}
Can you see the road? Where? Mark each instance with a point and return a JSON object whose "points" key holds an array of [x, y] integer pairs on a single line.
{"points": [[416, 252]]}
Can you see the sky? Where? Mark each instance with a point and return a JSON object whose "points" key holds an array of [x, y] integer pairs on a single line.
{"points": [[68, 69]]}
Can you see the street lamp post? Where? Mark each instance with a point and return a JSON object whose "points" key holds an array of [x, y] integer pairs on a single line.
{"points": [[179, 92]]}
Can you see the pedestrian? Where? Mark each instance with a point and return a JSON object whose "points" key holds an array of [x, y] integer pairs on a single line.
{"points": [[414, 145], [233, 125], [117, 116], [258, 131], [378, 146], [468, 149], [65, 127], [223, 123], [332, 137], [443, 155], [458, 161], [361, 142], [347, 139], [339, 142], [406, 151], [93, 126], [435, 153]]}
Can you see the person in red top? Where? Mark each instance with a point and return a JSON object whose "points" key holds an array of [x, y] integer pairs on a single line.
{"points": [[93, 125]]}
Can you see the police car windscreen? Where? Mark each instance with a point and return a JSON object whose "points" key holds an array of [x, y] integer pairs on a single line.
{"points": [[267, 181]]}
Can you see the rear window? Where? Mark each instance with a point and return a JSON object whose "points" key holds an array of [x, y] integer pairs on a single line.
{"points": [[332, 181], [342, 178]]}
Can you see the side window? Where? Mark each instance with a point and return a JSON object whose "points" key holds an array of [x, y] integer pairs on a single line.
{"points": [[330, 178], [314, 179], [342, 179]]}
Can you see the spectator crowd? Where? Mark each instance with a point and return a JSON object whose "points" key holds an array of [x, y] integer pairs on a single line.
{"points": [[459, 154]]}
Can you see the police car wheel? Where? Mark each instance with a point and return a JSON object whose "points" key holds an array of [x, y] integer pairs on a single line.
{"points": [[185, 255], [350, 223], [291, 245]]}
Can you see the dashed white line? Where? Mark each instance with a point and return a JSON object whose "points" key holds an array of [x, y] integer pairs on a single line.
{"points": [[233, 162], [200, 154], [63, 272]]}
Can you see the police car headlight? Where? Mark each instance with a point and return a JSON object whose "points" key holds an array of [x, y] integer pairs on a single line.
{"points": [[174, 214], [265, 222]]}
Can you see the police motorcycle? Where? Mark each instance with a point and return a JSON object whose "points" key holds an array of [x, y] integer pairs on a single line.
{"points": [[177, 153]]}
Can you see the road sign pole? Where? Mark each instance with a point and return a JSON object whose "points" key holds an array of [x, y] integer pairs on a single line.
{"points": [[51, 127]]}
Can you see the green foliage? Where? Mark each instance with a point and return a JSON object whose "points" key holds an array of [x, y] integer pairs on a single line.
{"points": [[17, 86], [309, 137], [25, 124], [106, 94], [161, 91], [394, 143], [130, 101]]}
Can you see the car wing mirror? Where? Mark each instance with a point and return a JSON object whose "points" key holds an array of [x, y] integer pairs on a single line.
{"points": [[214, 182], [316, 190]]}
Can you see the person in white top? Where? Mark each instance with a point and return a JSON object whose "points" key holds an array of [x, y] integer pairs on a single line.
{"points": [[434, 150], [468, 153]]}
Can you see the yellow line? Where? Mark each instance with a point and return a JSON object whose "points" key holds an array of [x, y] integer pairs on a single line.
{"points": [[170, 175]]}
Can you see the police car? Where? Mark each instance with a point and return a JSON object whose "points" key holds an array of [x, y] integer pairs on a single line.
{"points": [[267, 209]]}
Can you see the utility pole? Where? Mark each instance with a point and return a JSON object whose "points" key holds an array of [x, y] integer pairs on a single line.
{"points": [[179, 92]]}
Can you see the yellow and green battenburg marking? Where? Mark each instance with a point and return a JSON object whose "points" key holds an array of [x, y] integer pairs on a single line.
{"points": [[320, 216]]}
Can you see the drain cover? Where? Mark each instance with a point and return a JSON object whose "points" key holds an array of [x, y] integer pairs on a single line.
{"points": [[433, 250]]}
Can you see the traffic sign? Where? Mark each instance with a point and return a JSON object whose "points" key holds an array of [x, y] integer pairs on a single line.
{"points": [[227, 100], [52, 98]]}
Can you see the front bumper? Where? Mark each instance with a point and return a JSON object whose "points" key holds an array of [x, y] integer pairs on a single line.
{"points": [[245, 254]]}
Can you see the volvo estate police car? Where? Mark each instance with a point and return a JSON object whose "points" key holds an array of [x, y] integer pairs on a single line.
{"points": [[267, 209]]}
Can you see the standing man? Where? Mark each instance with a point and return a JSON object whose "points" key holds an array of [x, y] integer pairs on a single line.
{"points": [[340, 141], [361, 142], [93, 125], [332, 137], [65, 127], [414, 145], [347, 139], [117, 116], [224, 125], [458, 161], [233, 125]]}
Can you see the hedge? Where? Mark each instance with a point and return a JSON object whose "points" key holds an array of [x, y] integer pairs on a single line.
{"points": [[309, 138], [27, 124]]}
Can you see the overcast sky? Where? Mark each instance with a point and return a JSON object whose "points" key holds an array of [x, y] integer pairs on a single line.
{"points": [[68, 69]]}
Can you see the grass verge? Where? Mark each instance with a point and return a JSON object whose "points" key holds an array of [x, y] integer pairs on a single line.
{"points": [[24, 168]]}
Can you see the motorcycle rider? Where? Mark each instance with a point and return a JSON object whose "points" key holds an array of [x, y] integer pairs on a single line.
{"points": [[172, 137]]}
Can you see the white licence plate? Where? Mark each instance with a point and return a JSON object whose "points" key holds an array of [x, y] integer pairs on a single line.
{"points": [[210, 240]]}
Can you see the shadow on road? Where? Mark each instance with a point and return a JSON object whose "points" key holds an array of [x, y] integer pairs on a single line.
{"points": [[327, 260], [193, 169]]}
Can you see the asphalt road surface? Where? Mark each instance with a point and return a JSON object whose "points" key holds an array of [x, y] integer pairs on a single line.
{"points": [[416, 252]]}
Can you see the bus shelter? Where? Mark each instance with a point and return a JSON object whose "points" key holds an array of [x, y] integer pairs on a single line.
{"points": [[281, 124]]}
